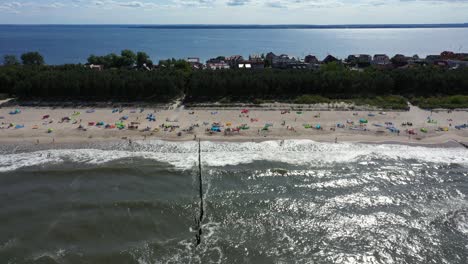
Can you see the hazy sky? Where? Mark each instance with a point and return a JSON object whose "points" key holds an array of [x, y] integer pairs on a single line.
{"points": [[232, 11]]}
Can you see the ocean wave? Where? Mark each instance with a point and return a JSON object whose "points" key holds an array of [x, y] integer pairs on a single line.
{"points": [[184, 155]]}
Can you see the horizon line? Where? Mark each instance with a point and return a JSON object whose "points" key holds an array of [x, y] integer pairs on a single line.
{"points": [[234, 25]]}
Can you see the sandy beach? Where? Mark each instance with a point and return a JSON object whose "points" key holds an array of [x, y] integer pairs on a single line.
{"points": [[67, 125]]}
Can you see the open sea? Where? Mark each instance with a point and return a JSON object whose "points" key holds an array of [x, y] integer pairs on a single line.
{"points": [[271, 202], [74, 43]]}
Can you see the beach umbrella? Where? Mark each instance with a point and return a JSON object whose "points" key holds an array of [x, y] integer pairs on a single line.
{"points": [[14, 112], [363, 121], [50, 130], [318, 126]]}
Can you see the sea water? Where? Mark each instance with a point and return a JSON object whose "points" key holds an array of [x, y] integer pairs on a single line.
{"points": [[74, 43], [292, 201]]}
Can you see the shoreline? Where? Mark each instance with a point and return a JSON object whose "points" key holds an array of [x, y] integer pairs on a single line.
{"points": [[85, 143]]}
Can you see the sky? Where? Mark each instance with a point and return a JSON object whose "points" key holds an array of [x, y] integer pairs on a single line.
{"points": [[319, 12]]}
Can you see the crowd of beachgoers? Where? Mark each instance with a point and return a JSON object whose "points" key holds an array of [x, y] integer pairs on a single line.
{"points": [[51, 125]]}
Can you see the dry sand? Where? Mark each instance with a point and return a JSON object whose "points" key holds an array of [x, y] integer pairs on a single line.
{"points": [[67, 132]]}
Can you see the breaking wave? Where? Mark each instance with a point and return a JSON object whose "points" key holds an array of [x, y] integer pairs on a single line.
{"points": [[183, 155]]}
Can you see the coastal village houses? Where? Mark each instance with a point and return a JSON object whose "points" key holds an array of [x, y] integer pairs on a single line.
{"points": [[217, 64], [195, 63], [446, 59], [381, 59]]}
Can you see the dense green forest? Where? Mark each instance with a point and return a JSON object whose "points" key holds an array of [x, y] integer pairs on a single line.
{"points": [[430, 86]]}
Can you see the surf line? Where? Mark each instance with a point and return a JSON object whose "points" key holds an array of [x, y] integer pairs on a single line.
{"points": [[461, 143], [200, 189]]}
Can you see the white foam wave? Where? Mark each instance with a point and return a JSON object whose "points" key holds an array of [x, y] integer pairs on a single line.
{"points": [[183, 155]]}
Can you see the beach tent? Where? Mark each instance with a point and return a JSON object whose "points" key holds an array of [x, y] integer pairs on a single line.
{"points": [[244, 127], [307, 126], [151, 117], [124, 118], [50, 130], [228, 124], [115, 110], [76, 114], [45, 116], [244, 111], [14, 112], [90, 111], [363, 121], [120, 125], [215, 129], [19, 126], [318, 126], [424, 130], [91, 123], [339, 125], [370, 114], [100, 123], [299, 113]]}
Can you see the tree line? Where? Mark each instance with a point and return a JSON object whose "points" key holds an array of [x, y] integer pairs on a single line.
{"points": [[175, 78], [332, 81]]}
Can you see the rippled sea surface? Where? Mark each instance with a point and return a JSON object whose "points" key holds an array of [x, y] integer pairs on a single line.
{"points": [[61, 44], [270, 202]]}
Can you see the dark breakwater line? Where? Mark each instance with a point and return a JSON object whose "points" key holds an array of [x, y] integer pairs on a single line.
{"points": [[200, 188]]}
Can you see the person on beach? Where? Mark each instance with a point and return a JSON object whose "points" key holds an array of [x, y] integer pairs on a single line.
{"points": [[336, 139]]}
